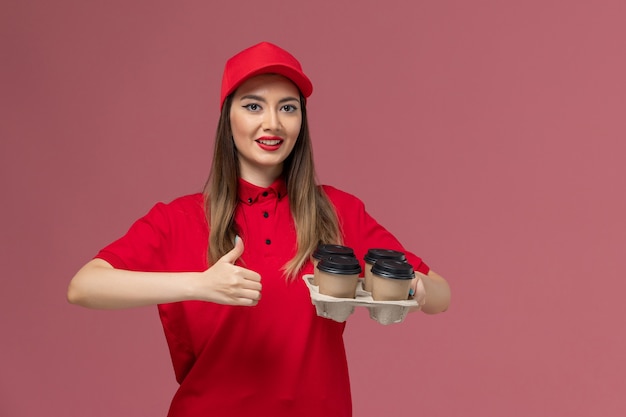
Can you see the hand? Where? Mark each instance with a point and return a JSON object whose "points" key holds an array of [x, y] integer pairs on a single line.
{"points": [[227, 283]]}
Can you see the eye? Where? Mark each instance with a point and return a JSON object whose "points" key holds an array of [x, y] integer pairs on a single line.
{"points": [[289, 108], [252, 107]]}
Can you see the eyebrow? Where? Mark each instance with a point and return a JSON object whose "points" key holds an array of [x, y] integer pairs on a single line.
{"points": [[259, 98]]}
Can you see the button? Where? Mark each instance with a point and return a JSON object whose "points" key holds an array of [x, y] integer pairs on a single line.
{"points": [[268, 242], [264, 194], [250, 200], [266, 214]]}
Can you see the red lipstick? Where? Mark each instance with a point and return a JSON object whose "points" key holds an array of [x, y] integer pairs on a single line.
{"points": [[269, 143]]}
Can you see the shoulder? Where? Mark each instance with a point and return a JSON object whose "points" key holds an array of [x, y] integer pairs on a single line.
{"points": [[189, 207], [340, 198], [187, 203]]}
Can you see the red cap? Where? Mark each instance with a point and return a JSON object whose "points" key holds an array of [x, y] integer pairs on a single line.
{"points": [[263, 58]]}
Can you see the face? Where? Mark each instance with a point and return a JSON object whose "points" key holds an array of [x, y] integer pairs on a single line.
{"points": [[265, 118]]}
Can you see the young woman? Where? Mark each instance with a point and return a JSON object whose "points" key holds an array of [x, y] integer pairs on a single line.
{"points": [[225, 266]]}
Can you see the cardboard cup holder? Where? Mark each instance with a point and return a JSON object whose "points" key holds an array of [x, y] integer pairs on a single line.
{"points": [[339, 309]]}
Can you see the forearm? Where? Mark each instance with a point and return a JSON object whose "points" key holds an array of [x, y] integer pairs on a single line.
{"points": [[436, 293], [98, 285]]}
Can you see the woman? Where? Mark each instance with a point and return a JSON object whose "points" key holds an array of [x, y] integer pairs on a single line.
{"points": [[234, 352]]}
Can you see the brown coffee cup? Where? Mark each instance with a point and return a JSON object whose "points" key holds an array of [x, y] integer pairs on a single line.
{"points": [[391, 280], [338, 276], [374, 255], [324, 251]]}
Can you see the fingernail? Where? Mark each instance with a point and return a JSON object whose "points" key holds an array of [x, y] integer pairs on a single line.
{"points": [[236, 238], [411, 292]]}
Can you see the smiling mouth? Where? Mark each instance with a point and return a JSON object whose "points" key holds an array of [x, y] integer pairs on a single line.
{"points": [[269, 142]]}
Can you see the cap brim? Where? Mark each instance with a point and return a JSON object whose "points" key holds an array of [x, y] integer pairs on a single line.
{"points": [[298, 78]]}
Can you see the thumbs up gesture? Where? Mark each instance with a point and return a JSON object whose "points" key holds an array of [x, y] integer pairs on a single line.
{"points": [[226, 283]]}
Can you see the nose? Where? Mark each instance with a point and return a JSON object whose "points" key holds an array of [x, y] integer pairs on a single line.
{"points": [[271, 121]]}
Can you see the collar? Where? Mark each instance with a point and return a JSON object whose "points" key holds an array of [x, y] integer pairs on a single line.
{"points": [[249, 193]]}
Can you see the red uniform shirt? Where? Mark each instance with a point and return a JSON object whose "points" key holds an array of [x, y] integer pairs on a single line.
{"points": [[275, 359]]}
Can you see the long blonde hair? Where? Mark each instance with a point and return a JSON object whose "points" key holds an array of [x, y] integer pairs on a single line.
{"points": [[314, 215]]}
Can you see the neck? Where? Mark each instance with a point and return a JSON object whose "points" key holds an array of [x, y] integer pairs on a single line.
{"points": [[261, 177]]}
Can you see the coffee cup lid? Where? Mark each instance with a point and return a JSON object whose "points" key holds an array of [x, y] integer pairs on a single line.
{"points": [[324, 251], [341, 265], [390, 268], [375, 254]]}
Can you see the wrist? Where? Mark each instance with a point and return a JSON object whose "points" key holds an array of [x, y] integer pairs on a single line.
{"points": [[190, 285]]}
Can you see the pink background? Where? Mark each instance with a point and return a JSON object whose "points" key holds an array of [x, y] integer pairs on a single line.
{"points": [[489, 136]]}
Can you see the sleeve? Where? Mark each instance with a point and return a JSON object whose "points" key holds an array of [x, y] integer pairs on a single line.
{"points": [[362, 232], [142, 248], [150, 245]]}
